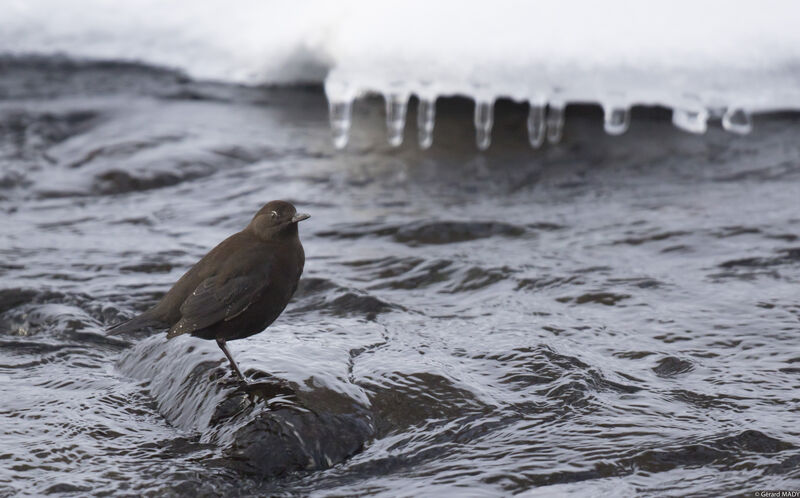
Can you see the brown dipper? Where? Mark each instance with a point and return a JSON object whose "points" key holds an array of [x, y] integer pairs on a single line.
{"points": [[239, 288]]}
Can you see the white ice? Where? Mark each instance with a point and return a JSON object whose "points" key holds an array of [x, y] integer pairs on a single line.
{"points": [[702, 59]]}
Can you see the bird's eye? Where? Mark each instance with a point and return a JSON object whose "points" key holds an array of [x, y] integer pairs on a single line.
{"points": [[274, 215]]}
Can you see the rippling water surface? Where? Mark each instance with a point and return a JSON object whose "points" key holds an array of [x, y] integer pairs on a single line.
{"points": [[613, 315]]}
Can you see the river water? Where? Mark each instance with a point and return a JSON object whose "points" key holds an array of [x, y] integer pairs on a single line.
{"points": [[611, 315]]}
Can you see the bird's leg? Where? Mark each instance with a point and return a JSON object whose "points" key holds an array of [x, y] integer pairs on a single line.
{"points": [[224, 348]]}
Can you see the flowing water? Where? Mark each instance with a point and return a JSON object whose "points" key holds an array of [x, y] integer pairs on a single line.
{"points": [[611, 315]]}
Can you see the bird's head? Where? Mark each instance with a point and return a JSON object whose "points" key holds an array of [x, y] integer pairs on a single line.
{"points": [[276, 219]]}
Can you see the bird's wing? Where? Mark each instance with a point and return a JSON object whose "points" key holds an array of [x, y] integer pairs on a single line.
{"points": [[143, 321], [216, 300]]}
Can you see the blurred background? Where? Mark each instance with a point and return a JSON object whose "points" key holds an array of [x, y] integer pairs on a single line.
{"points": [[700, 60]]}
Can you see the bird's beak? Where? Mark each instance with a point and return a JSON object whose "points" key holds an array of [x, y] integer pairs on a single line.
{"points": [[300, 217]]}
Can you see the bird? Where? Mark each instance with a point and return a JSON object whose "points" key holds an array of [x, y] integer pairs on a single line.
{"points": [[236, 290]]}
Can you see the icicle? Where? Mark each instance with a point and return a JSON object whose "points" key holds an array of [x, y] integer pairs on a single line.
{"points": [[484, 119], [340, 110], [737, 120], [340, 116], [536, 124], [426, 113], [693, 121], [616, 120], [396, 106], [555, 122]]}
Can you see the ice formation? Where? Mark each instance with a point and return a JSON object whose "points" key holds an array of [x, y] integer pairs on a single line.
{"points": [[703, 60], [709, 59]]}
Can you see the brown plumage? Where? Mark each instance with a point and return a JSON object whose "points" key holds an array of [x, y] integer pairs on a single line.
{"points": [[239, 288]]}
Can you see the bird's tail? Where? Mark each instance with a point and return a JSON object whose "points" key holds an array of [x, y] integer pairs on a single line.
{"points": [[144, 321]]}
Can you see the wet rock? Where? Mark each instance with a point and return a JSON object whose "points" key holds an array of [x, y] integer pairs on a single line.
{"points": [[446, 232], [11, 298], [269, 428], [437, 232], [784, 257], [752, 441], [604, 298], [155, 267], [657, 237], [63, 488], [722, 450], [118, 181], [352, 303], [671, 366], [275, 442]]}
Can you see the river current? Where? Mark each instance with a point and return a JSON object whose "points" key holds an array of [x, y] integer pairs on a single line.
{"points": [[610, 315]]}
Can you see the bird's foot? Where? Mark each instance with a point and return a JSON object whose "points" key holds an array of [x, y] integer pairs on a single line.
{"points": [[241, 378], [269, 392]]}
